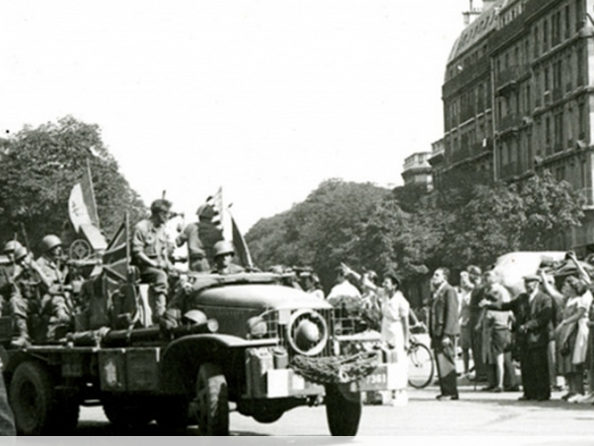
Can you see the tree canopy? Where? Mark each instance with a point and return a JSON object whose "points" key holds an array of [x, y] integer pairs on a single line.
{"points": [[369, 227], [39, 168]]}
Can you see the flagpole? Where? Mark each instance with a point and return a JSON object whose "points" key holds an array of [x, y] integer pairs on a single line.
{"points": [[96, 216]]}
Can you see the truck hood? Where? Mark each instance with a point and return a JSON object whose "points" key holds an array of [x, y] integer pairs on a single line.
{"points": [[258, 296]]}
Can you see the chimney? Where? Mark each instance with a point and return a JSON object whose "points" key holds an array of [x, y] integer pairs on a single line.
{"points": [[472, 13]]}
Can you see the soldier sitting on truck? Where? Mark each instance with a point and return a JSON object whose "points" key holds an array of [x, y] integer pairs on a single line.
{"points": [[55, 304], [7, 272], [224, 253], [150, 253], [24, 301]]}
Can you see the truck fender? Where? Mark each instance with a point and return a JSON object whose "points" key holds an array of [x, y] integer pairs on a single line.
{"points": [[182, 358]]}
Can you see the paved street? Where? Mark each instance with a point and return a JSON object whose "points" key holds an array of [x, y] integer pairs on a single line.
{"points": [[476, 413]]}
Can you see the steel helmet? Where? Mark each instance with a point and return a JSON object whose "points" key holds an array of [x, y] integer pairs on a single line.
{"points": [[223, 247], [11, 246], [50, 242], [20, 252]]}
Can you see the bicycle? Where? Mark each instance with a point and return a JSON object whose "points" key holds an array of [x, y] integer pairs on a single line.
{"points": [[421, 366]]}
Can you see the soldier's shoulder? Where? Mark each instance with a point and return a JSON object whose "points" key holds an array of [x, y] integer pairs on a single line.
{"points": [[142, 225]]}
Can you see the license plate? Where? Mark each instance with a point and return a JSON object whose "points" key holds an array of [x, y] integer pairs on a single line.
{"points": [[380, 379]]}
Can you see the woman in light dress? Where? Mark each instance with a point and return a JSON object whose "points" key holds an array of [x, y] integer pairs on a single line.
{"points": [[395, 331]]}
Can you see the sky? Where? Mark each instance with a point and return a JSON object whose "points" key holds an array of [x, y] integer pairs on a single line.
{"points": [[266, 98]]}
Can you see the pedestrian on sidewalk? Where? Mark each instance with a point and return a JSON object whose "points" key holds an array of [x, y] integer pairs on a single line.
{"points": [[444, 327], [533, 311], [475, 275]]}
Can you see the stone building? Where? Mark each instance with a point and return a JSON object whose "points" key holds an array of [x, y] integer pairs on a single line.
{"points": [[417, 170], [518, 97]]}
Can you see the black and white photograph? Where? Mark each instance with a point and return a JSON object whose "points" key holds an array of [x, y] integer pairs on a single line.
{"points": [[297, 220]]}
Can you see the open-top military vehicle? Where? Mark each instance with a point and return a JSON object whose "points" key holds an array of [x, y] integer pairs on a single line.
{"points": [[246, 339]]}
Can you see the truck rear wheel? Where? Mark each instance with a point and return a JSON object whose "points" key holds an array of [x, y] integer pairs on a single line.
{"points": [[32, 398], [343, 411], [212, 399]]}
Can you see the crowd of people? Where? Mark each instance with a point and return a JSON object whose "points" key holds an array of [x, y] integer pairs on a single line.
{"points": [[546, 329]]}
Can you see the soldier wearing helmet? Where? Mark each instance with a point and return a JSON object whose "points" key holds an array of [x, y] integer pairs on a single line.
{"points": [[25, 300], [150, 247], [55, 305], [7, 272], [224, 253], [200, 237]]}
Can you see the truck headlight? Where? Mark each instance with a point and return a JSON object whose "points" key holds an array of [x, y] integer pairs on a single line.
{"points": [[257, 327], [307, 332]]}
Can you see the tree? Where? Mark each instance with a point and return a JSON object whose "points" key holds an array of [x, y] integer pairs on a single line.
{"points": [[40, 167], [551, 208], [320, 232]]}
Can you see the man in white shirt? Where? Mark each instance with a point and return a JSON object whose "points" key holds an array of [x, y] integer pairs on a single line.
{"points": [[343, 287]]}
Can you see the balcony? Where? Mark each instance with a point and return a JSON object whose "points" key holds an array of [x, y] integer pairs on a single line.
{"points": [[510, 170], [509, 76], [509, 122], [461, 154]]}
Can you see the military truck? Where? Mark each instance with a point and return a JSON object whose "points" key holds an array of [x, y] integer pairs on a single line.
{"points": [[241, 345]]}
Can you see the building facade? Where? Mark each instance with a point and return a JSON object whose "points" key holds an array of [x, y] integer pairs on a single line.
{"points": [[417, 170], [518, 98]]}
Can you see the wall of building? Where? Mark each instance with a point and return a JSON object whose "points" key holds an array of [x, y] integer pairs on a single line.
{"points": [[518, 98]]}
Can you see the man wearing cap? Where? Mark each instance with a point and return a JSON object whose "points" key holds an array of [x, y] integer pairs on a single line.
{"points": [[150, 253], [533, 311], [444, 326], [200, 237], [224, 253]]}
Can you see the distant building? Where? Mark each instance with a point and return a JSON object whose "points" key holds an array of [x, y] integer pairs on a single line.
{"points": [[417, 170], [518, 97]]}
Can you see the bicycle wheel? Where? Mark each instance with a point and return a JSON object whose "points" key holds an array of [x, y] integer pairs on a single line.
{"points": [[420, 366]]}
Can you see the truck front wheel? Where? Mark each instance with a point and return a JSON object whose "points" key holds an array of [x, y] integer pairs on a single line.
{"points": [[32, 397], [212, 399], [343, 411]]}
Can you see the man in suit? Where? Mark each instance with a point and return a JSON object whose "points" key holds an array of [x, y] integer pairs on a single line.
{"points": [[443, 329], [533, 311]]}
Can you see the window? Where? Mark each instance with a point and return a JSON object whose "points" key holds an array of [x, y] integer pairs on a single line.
{"points": [[557, 77], [559, 131], [583, 125], [578, 14], [548, 135], [567, 23], [556, 28], [536, 43], [581, 65], [545, 35], [568, 74]]}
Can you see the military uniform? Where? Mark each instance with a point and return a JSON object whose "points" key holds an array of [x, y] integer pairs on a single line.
{"points": [[231, 269], [54, 303], [153, 242], [25, 305]]}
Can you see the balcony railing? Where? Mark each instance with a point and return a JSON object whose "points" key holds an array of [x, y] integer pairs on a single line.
{"points": [[510, 121], [510, 169]]}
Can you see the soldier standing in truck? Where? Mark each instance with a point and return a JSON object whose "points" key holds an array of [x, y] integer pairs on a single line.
{"points": [[150, 254], [200, 237]]}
